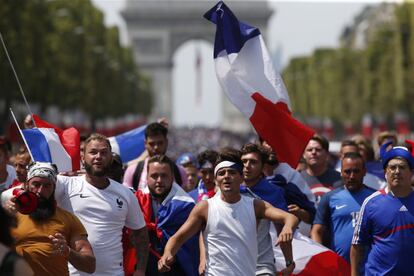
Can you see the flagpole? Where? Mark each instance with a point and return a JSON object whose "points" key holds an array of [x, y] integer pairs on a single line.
{"points": [[17, 79], [21, 133]]}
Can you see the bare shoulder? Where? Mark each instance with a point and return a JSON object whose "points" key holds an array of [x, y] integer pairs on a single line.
{"points": [[201, 209], [259, 204], [259, 207]]}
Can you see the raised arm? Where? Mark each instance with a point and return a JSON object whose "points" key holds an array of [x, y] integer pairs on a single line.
{"points": [[196, 221]]}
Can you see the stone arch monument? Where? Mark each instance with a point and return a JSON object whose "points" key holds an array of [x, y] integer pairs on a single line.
{"points": [[157, 28]]}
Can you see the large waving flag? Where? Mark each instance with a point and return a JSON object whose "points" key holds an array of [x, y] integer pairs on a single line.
{"points": [[246, 74], [48, 143], [129, 145]]}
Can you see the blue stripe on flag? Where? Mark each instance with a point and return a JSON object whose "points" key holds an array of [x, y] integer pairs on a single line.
{"points": [[37, 144], [231, 34], [131, 144]]}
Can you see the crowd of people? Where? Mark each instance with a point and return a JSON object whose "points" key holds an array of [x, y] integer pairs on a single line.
{"points": [[210, 211]]}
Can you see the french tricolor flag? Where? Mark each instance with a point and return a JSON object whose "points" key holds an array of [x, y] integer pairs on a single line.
{"points": [[48, 143], [129, 145], [246, 74], [311, 258]]}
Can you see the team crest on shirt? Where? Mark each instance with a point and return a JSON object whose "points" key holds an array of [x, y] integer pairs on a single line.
{"points": [[119, 202]]}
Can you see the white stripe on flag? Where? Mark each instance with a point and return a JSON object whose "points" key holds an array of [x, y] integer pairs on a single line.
{"points": [[303, 249], [114, 145], [244, 73], [58, 153]]}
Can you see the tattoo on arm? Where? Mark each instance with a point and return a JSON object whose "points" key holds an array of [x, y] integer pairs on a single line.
{"points": [[140, 241]]}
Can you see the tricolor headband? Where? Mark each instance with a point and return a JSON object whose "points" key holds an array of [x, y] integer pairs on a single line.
{"points": [[227, 164]]}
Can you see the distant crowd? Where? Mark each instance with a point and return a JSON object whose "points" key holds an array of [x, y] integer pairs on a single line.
{"points": [[210, 211]]}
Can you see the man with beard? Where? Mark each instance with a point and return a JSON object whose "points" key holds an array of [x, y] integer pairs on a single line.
{"points": [[104, 206], [166, 206], [50, 237]]}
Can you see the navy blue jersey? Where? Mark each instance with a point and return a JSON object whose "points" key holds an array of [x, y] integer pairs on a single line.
{"points": [[292, 194], [338, 211], [268, 192], [386, 223]]}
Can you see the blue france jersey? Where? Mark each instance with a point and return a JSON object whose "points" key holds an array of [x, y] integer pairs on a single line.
{"points": [[338, 211], [387, 224]]}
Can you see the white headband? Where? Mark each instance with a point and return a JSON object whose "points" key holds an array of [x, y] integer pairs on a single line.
{"points": [[226, 164], [42, 169]]}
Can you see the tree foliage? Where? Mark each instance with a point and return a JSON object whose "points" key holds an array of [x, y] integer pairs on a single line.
{"points": [[65, 56], [345, 83]]}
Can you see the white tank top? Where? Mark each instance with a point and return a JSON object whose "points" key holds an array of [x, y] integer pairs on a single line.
{"points": [[230, 238]]}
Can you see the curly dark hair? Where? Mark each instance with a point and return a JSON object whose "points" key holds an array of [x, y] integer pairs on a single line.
{"points": [[254, 148]]}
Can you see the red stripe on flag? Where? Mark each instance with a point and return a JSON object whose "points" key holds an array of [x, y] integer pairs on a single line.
{"points": [[275, 124], [327, 263], [70, 139]]}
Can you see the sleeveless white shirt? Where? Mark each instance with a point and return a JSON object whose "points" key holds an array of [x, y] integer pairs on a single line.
{"points": [[230, 238]]}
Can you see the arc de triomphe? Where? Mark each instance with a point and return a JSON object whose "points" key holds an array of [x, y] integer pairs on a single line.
{"points": [[157, 28]]}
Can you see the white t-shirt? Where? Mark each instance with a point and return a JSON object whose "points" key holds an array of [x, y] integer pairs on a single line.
{"points": [[11, 176], [104, 213]]}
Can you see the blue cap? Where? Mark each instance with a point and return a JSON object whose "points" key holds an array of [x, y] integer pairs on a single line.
{"points": [[402, 152], [187, 158]]}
